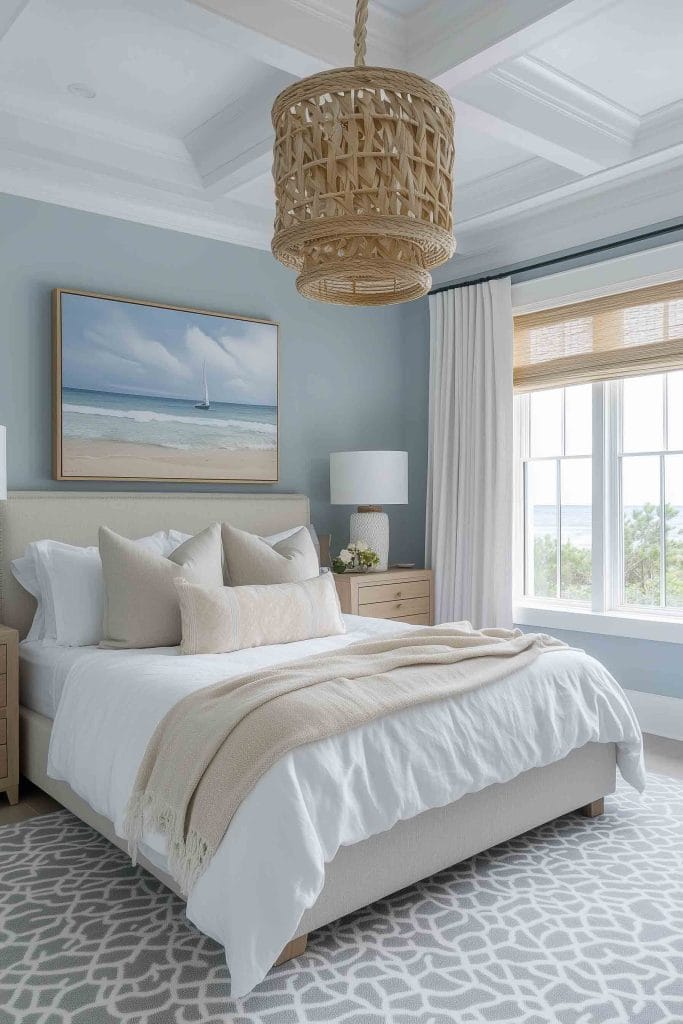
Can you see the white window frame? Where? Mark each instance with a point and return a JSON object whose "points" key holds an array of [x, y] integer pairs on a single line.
{"points": [[605, 615]]}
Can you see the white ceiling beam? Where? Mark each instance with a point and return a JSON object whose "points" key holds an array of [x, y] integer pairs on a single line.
{"points": [[556, 120], [228, 146], [527, 139], [304, 38], [452, 45], [9, 12]]}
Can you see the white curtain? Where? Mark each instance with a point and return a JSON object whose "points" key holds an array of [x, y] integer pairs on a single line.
{"points": [[469, 482]]}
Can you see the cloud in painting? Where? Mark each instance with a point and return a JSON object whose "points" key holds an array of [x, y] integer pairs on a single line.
{"points": [[132, 349]]}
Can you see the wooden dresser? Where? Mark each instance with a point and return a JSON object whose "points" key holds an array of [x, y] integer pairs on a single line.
{"points": [[9, 713], [402, 594]]}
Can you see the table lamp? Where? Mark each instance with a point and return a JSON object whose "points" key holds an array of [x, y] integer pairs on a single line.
{"points": [[369, 480]]}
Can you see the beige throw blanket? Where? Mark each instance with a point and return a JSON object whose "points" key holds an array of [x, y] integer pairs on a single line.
{"points": [[214, 745]]}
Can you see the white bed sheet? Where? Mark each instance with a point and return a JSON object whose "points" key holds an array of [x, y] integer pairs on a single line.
{"points": [[43, 668], [270, 867]]}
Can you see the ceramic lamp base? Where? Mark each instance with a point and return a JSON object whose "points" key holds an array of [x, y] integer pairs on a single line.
{"points": [[373, 528]]}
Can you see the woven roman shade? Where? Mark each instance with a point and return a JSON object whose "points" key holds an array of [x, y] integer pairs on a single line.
{"points": [[621, 335]]}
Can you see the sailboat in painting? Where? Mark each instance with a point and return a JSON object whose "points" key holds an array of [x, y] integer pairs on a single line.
{"points": [[205, 404]]}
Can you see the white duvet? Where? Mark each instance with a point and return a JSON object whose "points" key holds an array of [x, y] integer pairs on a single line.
{"points": [[270, 867]]}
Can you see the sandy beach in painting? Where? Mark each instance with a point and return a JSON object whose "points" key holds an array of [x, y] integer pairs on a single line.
{"points": [[149, 462]]}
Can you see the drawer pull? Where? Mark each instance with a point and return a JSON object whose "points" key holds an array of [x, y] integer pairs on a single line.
{"points": [[398, 593]]}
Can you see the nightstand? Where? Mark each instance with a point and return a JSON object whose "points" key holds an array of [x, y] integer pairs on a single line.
{"points": [[402, 594], [9, 713]]}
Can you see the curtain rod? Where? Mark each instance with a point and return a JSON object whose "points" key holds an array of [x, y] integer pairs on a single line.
{"points": [[555, 260]]}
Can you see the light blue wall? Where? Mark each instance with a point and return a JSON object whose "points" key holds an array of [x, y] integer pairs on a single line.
{"points": [[349, 378]]}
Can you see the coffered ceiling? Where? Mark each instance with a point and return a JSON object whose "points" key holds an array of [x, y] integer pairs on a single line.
{"points": [[569, 113]]}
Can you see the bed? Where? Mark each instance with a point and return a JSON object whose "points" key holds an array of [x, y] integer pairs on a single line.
{"points": [[515, 754]]}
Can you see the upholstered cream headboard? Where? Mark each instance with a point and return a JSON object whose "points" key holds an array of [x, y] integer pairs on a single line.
{"points": [[75, 516]]}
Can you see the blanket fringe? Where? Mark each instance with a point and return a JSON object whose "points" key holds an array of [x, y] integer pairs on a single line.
{"points": [[187, 855]]}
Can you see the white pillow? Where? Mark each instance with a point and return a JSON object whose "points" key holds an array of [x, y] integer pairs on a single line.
{"points": [[24, 572], [68, 585]]}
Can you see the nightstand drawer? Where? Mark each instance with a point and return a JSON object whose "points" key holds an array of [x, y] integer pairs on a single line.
{"points": [[3, 659], [3, 762], [414, 620], [393, 591], [3, 730], [399, 609], [3, 691]]}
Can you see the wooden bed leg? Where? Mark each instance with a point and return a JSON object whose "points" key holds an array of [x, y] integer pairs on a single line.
{"points": [[594, 808], [294, 948]]}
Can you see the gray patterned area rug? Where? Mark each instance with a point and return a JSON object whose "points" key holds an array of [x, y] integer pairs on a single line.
{"points": [[578, 922]]}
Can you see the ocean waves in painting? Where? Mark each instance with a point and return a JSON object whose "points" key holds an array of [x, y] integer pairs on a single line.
{"points": [[168, 422]]}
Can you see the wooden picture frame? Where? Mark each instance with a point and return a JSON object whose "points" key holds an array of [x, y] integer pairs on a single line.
{"points": [[153, 392]]}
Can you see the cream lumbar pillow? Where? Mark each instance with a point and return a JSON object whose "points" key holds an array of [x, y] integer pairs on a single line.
{"points": [[141, 603], [220, 620], [252, 560]]}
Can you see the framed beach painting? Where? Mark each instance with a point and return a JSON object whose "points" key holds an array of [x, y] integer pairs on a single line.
{"points": [[150, 392]]}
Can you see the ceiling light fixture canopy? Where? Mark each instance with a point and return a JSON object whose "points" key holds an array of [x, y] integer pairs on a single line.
{"points": [[363, 171]]}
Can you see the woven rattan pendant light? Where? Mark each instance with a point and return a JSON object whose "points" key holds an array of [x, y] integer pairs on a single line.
{"points": [[363, 170]]}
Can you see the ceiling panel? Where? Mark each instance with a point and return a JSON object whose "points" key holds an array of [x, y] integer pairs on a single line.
{"points": [[478, 155], [179, 135], [257, 192], [631, 53], [145, 72]]}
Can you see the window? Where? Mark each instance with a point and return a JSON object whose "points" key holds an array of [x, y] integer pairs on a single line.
{"points": [[599, 494], [650, 471], [557, 485], [599, 482]]}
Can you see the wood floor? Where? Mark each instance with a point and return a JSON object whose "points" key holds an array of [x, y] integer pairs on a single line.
{"points": [[661, 755]]}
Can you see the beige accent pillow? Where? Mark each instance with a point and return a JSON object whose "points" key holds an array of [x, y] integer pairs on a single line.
{"points": [[216, 621], [252, 560], [141, 603]]}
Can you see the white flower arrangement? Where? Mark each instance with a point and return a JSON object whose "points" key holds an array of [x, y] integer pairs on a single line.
{"points": [[357, 555]]}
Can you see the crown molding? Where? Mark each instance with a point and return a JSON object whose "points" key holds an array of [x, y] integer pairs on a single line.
{"points": [[226, 220], [548, 225], [386, 30], [563, 94], [656, 168], [495, 192], [660, 129], [305, 36]]}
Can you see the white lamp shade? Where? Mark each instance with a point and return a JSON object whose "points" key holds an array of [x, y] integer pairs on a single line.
{"points": [[3, 464], [369, 478]]}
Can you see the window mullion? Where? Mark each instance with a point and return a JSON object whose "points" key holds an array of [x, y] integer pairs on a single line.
{"points": [[558, 528], [662, 534], [599, 502], [613, 518]]}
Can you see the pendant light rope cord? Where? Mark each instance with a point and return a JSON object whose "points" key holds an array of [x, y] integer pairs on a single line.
{"points": [[360, 33]]}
